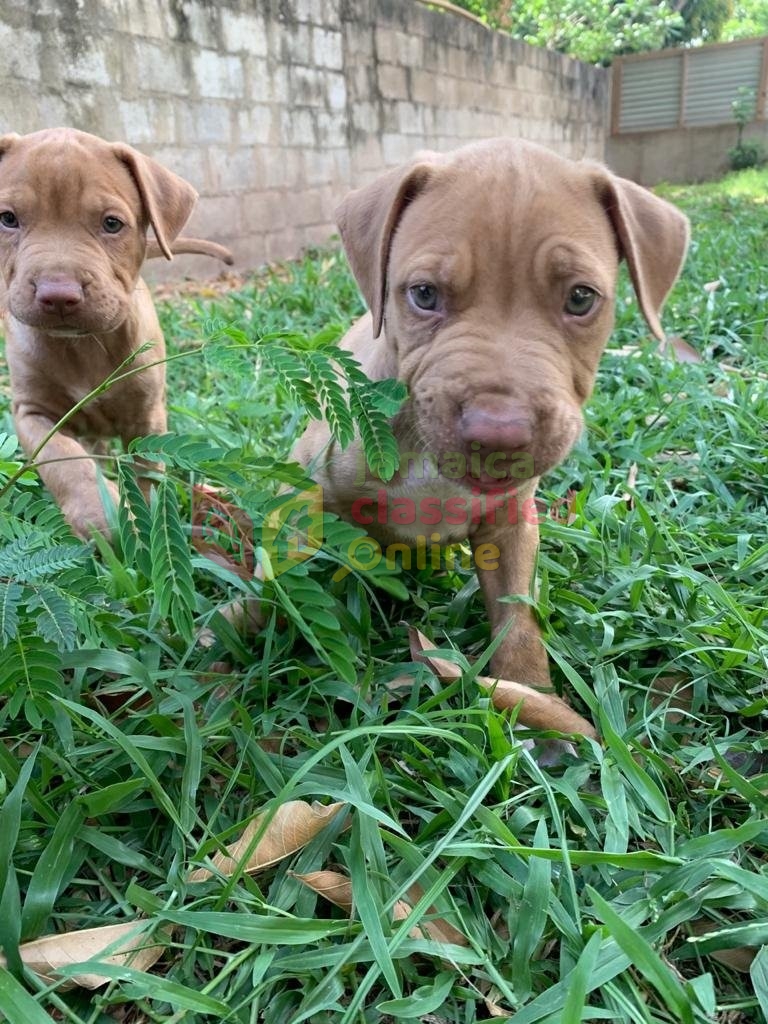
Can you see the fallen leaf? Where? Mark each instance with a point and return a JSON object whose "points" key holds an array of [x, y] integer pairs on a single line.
{"points": [[291, 826], [712, 286], [334, 886], [493, 1008], [538, 710], [675, 692], [561, 509], [437, 928], [129, 944], [221, 531], [631, 483], [337, 888], [739, 957]]}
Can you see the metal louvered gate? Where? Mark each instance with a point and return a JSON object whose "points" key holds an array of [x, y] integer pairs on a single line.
{"points": [[687, 88]]}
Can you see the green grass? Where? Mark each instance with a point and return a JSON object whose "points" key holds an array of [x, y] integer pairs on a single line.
{"points": [[127, 757]]}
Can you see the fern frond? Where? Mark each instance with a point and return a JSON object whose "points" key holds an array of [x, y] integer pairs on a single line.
{"points": [[30, 511], [387, 395], [379, 444], [10, 598], [306, 604], [230, 355], [18, 562], [134, 522], [30, 662], [171, 563], [186, 451], [292, 372], [332, 398], [55, 621]]}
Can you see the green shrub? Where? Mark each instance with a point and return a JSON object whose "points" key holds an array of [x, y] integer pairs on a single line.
{"points": [[751, 153]]}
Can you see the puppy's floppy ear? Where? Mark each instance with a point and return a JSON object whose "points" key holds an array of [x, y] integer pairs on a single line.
{"points": [[6, 141], [367, 219], [167, 199], [653, 238]]}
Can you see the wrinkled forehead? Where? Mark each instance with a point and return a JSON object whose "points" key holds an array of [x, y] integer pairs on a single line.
{"points": [[518, 207], [58, 176]]}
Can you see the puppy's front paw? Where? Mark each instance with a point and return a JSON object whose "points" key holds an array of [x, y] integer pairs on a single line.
{"points": [[85, 512]]}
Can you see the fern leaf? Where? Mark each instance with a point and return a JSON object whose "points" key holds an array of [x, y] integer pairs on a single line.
{"points": [[171, 563], [349, 367], [379, 445], [29, 662], [24, 513], [18, 562], [186, 451], [306, 603], [341, 657], [9, 445], [332, 397], [134, 522], [231, 354], [387, 395], [55, 622], [292, 372], [10, 598]]}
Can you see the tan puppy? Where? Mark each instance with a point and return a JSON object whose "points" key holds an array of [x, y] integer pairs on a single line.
{"points": [[490, 274], [74, 214]]}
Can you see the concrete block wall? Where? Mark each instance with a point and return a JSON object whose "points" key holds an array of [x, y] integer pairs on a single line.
{"points": [[273, 109], [678, 154]]}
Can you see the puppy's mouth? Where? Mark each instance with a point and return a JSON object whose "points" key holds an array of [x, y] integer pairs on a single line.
{"points": [[68, 332], [82, 324], [492, 484]]}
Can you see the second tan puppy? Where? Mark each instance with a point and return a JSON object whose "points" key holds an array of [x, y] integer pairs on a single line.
{"points": [[74, 215], [490, 274]]}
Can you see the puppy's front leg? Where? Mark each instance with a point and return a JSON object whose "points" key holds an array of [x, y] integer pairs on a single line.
{"points": [[67, 471], [505, 558]]}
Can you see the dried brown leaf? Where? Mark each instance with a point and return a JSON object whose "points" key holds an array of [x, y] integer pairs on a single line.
{"points": [[538, 710], [337, 888], [739, 958], [289, 828], [676, 691], [127, 943], [493, 1008], [334, 886], [436, 928], [631, 483], [221, 531]]}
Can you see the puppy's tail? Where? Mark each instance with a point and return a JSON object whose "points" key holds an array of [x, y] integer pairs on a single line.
{"points": [[198, 246]]}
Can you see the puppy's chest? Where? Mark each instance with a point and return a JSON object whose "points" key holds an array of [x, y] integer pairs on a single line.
{"points": [[54, 387], [108, 413]]}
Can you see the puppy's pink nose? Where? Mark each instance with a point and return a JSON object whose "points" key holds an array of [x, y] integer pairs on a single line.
{"points": [[58, 294], [503, 427]]}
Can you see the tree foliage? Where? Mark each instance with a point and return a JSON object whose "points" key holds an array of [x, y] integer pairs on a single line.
{"points": [[747, 18], [702, 21], [596, 31]]}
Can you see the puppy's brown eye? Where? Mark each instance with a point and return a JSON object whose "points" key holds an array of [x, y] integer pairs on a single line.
{"points": [[424, 296], [9, 219], [581, 300], [112, 225]]}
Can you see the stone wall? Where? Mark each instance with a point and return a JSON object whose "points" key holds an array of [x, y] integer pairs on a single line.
{"points": [[273, 109], [678, 154]]}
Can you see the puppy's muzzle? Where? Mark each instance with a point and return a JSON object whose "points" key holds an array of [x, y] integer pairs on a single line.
{"points": [[494, 432], [58, 295]]}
